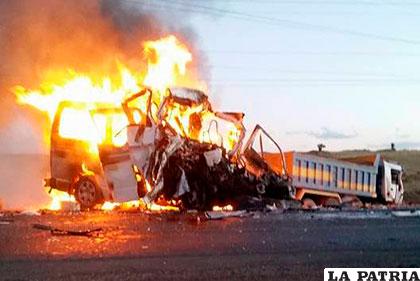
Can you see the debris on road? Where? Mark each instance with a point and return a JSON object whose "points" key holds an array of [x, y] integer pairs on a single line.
{"points": [[30, 213], [406, 213], [218, 215], [6, 220], [58, 231], [271, 208], [69, 206]]}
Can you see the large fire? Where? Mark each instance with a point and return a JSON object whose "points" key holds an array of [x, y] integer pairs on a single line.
{"points": [[165, 57], [167, 61]]}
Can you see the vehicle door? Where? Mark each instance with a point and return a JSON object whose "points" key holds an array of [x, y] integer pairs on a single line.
{"points": [[72, 144], [262, 154], [114, 153], [393, 186]]}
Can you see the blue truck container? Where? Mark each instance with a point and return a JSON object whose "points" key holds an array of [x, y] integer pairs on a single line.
{"points": [[310, 172]]}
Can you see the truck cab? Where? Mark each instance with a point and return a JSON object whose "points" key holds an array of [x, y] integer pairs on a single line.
{"points": [[389, 182]]}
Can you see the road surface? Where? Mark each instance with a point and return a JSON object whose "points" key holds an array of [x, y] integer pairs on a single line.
{"points": [[137, 246]]}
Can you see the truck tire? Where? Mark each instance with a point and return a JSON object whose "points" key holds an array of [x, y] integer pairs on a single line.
{"points": [[331, 202], [308, 203], [86, 192], [350, 201]]}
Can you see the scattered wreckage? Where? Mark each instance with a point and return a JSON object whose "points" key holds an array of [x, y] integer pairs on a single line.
{"points": [[66, 232], [178, 151]]}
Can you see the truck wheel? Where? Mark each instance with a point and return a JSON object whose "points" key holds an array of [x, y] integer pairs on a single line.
{"points": [[308, 203], [86, 193], [331, 202], [351, 201]]}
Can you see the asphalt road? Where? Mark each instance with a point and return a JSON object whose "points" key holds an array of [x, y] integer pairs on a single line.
{"points": [[138, 246]]}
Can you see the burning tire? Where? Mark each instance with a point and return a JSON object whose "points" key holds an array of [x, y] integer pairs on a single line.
{"points": [[86, 193]]}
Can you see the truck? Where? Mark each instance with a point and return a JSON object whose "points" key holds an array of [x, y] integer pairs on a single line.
{"points": [[121, 153], [369, 178], [326, 180]]}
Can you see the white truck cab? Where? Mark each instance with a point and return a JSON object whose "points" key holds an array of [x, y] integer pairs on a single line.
{"points": [[390, 182]]}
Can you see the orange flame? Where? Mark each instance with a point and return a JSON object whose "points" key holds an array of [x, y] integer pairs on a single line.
{"points": [[57, 199], [167, 57], [136, 204], [223, 208], [79, 88], [167, 61]]}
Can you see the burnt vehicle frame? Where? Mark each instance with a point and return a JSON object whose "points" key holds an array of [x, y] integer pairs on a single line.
{"points": [[143, 167]]}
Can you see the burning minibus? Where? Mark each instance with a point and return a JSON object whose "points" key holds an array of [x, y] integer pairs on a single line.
{"points": [[178, 150]]}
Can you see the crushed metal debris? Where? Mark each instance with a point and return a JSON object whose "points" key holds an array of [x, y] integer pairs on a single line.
{"points": [[168, 160], [6, 221], [30, 213], [62, 232], [406, 213], [218, 215]]}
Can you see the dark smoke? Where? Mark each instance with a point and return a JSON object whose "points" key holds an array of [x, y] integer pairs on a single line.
{"points": [[88, 36]]}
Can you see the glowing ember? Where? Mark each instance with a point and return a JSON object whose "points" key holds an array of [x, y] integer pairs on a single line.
{"points": [[57, 199], [109, 206], [131, 205], [223, 208], [158, 208]]}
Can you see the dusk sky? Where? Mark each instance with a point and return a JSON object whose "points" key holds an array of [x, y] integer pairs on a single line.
{"points": [[344, 73]]}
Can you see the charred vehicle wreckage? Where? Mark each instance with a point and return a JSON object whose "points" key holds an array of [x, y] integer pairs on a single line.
{"points": [[170, 147]]}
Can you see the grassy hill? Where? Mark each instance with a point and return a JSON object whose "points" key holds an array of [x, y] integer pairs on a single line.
{"points": [[409, 159]]}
